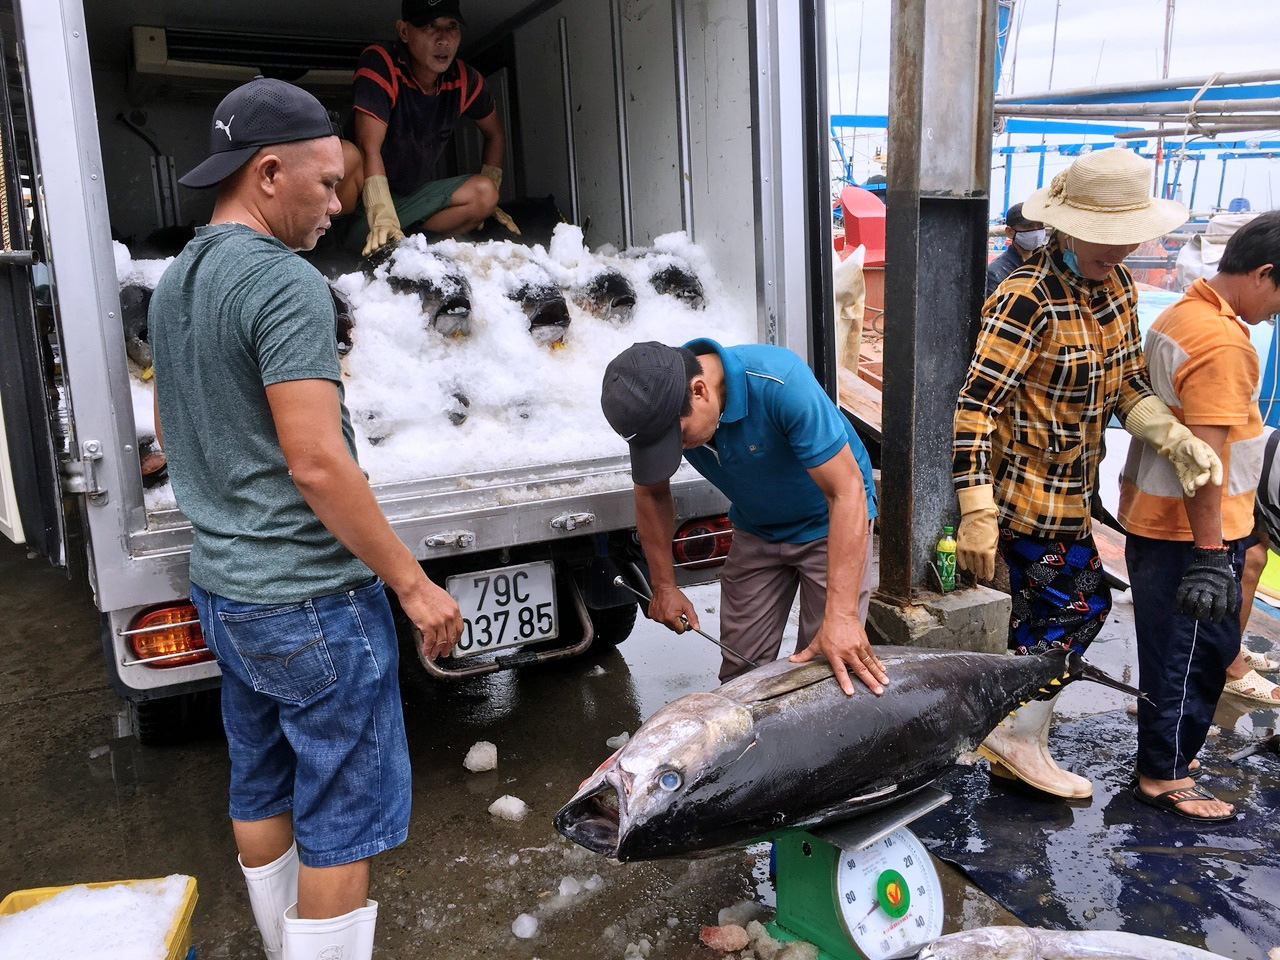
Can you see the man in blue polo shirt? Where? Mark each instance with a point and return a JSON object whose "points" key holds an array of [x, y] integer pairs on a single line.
{"points": [[409, 96], [753, 420]]}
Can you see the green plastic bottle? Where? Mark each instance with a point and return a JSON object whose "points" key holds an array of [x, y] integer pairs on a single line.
{"points": [[945, 559]]}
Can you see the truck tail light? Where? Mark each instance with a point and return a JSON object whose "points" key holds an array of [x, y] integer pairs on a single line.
{"points": [[702, 543], [165, 637]]}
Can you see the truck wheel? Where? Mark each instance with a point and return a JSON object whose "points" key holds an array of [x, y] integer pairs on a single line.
{"points": [[171, 721], [613, 624]]}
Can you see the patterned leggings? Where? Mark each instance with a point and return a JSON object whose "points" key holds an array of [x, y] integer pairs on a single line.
{"points": [[1059, 593]]}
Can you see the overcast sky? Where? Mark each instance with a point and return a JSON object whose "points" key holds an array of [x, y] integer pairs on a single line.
{"points": [[1099, 41]]}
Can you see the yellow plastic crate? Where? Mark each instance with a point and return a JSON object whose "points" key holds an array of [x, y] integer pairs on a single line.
{"points": [[178, 940]]}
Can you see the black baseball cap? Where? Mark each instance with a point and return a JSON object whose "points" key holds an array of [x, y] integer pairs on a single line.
{"points": [[643, 392], [254, 115], [421, 12], [1016, 221]]}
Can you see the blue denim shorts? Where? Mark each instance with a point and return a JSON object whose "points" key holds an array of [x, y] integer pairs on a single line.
{"points": [[311, 706]]}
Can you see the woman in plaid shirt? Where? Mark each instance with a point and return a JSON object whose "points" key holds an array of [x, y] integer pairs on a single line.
{"points": [[1059, 353]]}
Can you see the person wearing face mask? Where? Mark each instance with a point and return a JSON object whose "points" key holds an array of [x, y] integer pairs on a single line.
{"points": [[1025, 238], [1059, 354]]}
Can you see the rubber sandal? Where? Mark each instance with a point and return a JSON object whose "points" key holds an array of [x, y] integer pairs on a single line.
{"points": [[1253, 687], [1257, 660], [1170, 799]]}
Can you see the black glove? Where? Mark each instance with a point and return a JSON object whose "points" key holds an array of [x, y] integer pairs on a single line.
{"points": [[1208, 590]]}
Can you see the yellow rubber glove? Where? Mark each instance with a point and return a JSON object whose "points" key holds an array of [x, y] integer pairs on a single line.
{"points": [[384, 225], [976, 538], [1194, 460], [493, 173], [504, 218]]}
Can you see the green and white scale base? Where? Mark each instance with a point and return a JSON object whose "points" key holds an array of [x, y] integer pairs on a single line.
{"points": [[863, 889]]}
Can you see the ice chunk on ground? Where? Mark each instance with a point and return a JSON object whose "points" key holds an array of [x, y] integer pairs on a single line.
{"points": [[725, 938], [797, 951], [637, 950], [616, 742], [524, 926], [596, 671], [762, 942], [593, 882], [483, 755], [741, 913], [509, 808], [569, 886]]}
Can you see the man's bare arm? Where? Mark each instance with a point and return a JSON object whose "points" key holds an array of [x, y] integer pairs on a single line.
{"points": [[495, 140], [655, 523], [842, 638], [308, 421], [370, 133]]}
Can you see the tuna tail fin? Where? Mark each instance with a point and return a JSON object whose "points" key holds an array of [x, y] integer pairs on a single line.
{"points": [[1077, 669]]}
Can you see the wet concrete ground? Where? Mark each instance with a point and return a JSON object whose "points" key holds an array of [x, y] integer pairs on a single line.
{"points": [[81, 800]]}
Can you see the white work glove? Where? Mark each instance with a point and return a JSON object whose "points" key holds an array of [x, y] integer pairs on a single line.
{"points": [[384, 225], [1194, 460], [979, 530]]}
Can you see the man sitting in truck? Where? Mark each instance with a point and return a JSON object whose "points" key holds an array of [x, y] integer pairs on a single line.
{"points": [[409, 96], [753, 420], [290, 550]]}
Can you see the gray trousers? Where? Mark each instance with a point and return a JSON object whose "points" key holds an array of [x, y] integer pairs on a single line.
{"points": [[757, 587]]}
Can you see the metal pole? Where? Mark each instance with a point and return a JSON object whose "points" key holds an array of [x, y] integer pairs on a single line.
{"points": [[940, 125], [682, 119], [570, 145], [817, 172], [1152, 108], [1195, 179], [620, 94], [1222, 183], [1148, 86]]}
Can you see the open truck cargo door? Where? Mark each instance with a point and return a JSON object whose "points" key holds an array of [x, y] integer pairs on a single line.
{"points": [[31, 499]]}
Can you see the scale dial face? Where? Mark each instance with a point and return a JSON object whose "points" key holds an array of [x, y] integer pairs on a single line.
{"points": [[888, 896]]}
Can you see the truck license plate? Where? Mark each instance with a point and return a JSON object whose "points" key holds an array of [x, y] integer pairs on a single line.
{"points": [[505, 607]]}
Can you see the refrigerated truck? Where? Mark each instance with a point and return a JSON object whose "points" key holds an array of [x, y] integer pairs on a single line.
{"points": [[638, 118]]}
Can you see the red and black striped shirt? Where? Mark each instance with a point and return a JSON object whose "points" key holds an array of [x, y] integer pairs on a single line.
{"points": [[418, 124]]}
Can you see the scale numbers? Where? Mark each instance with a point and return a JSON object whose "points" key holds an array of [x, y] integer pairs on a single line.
{"points": [[889, 896]]}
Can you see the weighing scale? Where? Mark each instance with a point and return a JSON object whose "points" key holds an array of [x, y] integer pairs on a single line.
{"points": [[862, 889]]}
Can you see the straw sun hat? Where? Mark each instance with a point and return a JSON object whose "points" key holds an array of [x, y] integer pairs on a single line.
{"points": [[1105, 197]]}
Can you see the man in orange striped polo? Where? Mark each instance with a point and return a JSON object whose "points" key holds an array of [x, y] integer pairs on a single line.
{"points": [[409, 96], [1185, 553]]}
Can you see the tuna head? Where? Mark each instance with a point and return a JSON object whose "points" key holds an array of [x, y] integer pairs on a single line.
{"points": [[644, 801]]}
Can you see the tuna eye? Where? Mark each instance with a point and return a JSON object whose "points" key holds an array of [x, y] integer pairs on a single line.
{"points": [[670, 780]]}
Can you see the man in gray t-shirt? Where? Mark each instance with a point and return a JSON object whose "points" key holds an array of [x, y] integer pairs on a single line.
{"points": [[291, 550]]}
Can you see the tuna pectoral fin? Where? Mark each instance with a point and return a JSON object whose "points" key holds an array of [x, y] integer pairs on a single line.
{"points": [[1079, 670]]}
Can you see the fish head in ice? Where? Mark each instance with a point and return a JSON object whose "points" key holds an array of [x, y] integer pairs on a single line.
{"points": [[645, 800]]}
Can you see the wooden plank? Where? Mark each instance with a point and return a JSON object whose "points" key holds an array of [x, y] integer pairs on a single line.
{"points": [[861, 401]]}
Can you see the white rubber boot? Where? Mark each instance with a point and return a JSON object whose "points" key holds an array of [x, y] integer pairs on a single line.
{"points": [[271, 890], [1019, 749], [348, 937]]}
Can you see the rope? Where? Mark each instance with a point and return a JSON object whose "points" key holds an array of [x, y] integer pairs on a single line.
{"points": [[5, 237], [1193, 121]]}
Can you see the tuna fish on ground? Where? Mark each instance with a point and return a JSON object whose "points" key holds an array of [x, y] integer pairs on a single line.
{"points": [[1035, 943], [782, 746]]}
